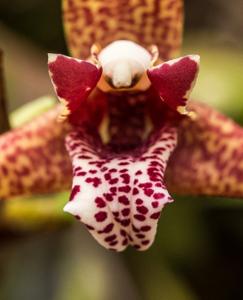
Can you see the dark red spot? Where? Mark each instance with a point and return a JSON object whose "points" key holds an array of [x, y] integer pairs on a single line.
{"points": [[139, 201], [125, 212], [125, 222], [84, 157], [139, 217], [110, 238], [113, 181], [142, 209], [155, 204], [113, 189], [123, 199], [140, 236], [123, 163], [81, 173], [148, 192], [107, 176], [155, 215], [145, 185], [101, 216], [92, 171], [158, 196], [145, 228], [113, 243], [96, 181], [124, 242], [135, 191], [5, 171], [146, 242], [75, 190], [126, 178], [11, 158], [89, 227], [104, 169], [108, 228], [100, 202], [125, 189], [77, 169], [108, 197]]}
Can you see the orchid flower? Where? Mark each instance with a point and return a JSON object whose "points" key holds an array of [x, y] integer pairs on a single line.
{"points": [[125, 137]]}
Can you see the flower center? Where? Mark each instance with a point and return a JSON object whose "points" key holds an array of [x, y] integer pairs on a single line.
{"points": [[124, 65]]}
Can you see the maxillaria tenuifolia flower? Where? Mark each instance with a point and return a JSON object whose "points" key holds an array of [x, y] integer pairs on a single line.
{"points": [[129, 131]]}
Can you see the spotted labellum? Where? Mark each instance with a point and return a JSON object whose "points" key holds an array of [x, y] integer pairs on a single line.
{"points": [[129, 132]]}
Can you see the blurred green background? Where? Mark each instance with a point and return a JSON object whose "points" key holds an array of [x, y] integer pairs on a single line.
{"points": [[198, 253]]}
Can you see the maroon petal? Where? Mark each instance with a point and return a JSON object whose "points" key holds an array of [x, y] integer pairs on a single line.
{"points": [[119, 197], [73, 80], [174, 80]]}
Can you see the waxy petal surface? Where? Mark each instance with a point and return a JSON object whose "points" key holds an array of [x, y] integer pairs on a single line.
{"points": [[73, 80], [174, 80], [146, 22], [119, 197]]}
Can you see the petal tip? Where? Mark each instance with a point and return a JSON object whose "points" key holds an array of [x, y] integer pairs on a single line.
{"points": [[195, 57], [69, 208], [52, 57]]}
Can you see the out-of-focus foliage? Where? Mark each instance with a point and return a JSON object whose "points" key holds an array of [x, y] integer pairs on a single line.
{"points": [[25, 69], [220, 82], [29, 214], [31, 110]]}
